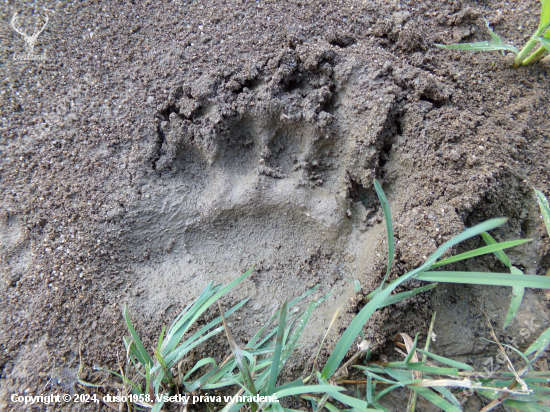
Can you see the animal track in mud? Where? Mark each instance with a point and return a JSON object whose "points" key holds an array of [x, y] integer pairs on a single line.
{"points": [[271, 166], [296, 138]]}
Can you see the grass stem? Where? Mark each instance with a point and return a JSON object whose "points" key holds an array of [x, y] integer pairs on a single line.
{"points": [[524, 52], [527, 48], [534, 57], [412, 403]]}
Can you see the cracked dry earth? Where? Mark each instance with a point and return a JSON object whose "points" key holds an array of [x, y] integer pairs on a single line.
{"points": [[164, 145]]}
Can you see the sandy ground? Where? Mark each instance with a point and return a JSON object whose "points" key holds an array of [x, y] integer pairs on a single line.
{"points": [[159, 146]]}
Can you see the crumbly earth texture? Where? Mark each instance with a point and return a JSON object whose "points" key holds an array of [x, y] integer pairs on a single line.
{"points": [[162, 145]]}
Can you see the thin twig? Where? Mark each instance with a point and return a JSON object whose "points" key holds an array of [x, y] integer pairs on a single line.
{"points": [[525, 389]]}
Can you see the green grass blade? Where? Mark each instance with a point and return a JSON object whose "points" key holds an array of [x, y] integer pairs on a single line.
{"points": [[355, 403], [159, 378], [384, 392], [527, 407], [348, 337], [252, 342], [540, 344], [278, 351], [480, 46], [517, 298], [144, 355], [165, 368], [517, 291], [518, 405], [498, 253], [125, 379], [544, 13], [239, 358], [196, 311], [545, 42], [304, 319], [84, 383], [199, 364], [265, 342], [289, 326], [157, 406], [356, 284], [435, 399], [182, 350], [213, 323], [398, 297], [450, 362], [496, 38], [233, 408], [467, 234], [487, 278], [224, 374], [147, 378], [424, 392], [543, 202], [448, 394], [494, 248], [371, 374], [300, 390], [432, 369], [369, 390], [389, 227], [330, 407], [208, 291], [137, 354], [525, 358], [294, 384], [228, 379], [381, 408], [412, 351], [161, 338]]}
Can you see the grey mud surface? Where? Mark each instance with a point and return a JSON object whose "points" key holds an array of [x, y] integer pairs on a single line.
{"points": [[164, 145]]}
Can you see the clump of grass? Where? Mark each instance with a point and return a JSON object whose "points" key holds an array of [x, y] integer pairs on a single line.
{"points": [[431, 381], [523, 58], [332, 371], [255, 381], [151, 376]]}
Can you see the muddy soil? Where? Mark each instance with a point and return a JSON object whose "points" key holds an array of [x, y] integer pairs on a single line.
{"points": [[163, 145]]}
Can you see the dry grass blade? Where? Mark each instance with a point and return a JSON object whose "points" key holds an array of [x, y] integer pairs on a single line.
{"points": [[241, 362], [509, 390], [426, 383], [411, 349], [524, 386]]}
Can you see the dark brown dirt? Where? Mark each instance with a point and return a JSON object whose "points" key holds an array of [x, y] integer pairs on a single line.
{"points": [[162, 145]]}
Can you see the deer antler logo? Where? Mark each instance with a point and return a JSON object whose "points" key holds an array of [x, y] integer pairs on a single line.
{"points": [[29, 40]]}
